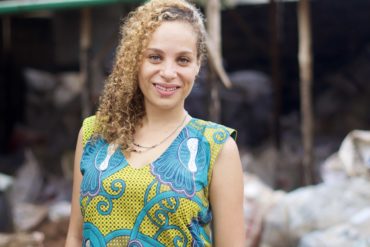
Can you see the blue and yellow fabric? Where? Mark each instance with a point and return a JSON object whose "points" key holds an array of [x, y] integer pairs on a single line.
{"points": [[165, 203]]}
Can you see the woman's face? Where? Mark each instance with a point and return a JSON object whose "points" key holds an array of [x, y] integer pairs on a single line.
{"points": [[169, 66]]}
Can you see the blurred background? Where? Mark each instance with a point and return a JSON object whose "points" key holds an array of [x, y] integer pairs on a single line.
{"points": [[291, 76]]}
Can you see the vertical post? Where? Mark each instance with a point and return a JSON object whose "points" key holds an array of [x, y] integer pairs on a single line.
{"points": [[6, 223], [306, 76], [7, 37], [85, 45], [214, 30], [275, 72]]}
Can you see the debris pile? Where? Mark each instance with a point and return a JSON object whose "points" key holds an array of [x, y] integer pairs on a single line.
{"points": [[333, 213]]}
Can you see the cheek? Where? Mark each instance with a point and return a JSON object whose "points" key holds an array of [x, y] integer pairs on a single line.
{"points": [[147, 71], [141, 81], [142, 75], [190, 84], [192, 71]]}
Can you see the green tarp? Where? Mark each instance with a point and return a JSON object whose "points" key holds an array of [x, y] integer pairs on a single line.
{"points": [[20, 6]]}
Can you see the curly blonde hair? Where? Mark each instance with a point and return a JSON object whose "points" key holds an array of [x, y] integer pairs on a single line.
{"points": [[121, 107]]}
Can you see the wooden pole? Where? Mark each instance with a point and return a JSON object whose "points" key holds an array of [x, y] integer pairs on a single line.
{"points": [[7, 36], [213, 10], [275, 72], [85, 45], [306, 77]]}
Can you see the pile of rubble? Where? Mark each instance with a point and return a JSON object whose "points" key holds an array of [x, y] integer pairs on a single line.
{"points": [[333, 213], [27, 217], [35, 187]]}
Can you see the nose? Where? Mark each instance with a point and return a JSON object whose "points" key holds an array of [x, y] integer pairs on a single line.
{"points": [[168, 71]]}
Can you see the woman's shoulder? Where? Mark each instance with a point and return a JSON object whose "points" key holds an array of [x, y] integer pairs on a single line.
{"points": [[218, 131], [88, 128]]}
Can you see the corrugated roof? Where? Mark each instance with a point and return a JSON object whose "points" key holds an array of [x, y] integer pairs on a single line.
{"points": [[19, 6]]}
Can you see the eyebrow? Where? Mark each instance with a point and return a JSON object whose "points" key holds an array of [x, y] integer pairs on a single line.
{"points": [[188, 52]]}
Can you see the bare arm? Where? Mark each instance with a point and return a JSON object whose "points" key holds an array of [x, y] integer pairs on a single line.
{"points": [[226, 196], [74, 236]]}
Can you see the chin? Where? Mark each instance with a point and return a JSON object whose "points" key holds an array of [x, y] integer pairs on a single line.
{"points": [[166, 104]]}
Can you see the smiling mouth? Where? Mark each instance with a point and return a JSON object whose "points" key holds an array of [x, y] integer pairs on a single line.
{"points": [[167, 88]]}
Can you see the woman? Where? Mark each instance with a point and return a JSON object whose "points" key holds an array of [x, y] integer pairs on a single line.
{"points": [[146, 173]]}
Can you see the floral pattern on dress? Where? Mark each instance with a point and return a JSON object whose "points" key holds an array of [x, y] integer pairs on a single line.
{"points": [[186, 158], [105, 158]]}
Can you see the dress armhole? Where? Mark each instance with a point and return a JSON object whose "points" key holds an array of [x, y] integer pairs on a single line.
{"points": [[88, 129], [233, 133], [219, 138]]}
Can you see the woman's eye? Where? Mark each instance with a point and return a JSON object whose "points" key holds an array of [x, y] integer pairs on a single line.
{"points": [[184, 60], [155, 58]]}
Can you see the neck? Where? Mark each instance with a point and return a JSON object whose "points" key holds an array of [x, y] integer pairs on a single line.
{"points": [[159, 125], [158, 118]]}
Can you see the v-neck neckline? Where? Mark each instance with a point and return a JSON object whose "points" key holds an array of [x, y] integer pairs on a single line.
{"points": [[163, 153]]}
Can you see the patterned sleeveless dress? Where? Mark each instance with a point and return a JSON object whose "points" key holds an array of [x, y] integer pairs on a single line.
{"points": [[165, 203]]}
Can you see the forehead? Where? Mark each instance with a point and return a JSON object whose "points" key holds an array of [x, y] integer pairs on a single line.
{"points": [[175, 34]]}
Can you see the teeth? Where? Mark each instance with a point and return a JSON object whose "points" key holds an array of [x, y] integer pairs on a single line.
{"points": [[167, 89]]}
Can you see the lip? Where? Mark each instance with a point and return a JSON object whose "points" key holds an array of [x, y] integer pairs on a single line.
{"points": [[165, 89]]}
